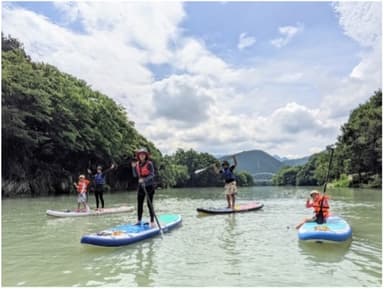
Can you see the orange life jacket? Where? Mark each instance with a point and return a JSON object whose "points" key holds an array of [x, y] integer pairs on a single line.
{"points": [[82, 186], [143, 170], [317, 205]]}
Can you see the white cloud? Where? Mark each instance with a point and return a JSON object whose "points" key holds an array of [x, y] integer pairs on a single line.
{"points": [[245, 41], [112, 55], [182, 98], [287, 33], [209, 105], [361, 21]]}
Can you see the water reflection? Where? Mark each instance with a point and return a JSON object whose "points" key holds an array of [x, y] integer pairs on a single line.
{"points": [[144, 269], [324, 252]]}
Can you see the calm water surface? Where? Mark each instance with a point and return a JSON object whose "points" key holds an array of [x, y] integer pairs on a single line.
{"points": [[254, 249]]}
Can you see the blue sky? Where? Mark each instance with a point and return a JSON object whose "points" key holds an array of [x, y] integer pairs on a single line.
{"points": [[217, 77]]}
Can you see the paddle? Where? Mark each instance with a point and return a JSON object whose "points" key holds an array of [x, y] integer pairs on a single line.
{"points": [[320, 215], [329, 168], [201, 170], [151, 208]]}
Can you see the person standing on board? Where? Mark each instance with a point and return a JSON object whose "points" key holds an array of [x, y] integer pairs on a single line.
{"points": [[81, 188], [321, 208], [143, 169], [229, 177], [99, 182]]}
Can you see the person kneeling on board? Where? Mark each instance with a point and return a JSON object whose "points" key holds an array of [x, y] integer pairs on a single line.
{"points": [[321, 208]]}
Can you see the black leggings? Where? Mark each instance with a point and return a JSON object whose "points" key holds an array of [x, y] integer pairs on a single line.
{"points": [[140, 202], [99, 190]]}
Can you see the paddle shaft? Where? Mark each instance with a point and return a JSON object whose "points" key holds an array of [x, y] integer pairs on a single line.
{"points": [[151, 208], [329, 168]]}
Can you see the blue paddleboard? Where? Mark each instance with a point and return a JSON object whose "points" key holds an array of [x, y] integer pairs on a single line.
{"points": [[127, 234], [335, 229], [238, 208]]}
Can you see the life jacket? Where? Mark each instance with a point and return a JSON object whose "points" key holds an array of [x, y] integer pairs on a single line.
{"points": [[228, 174], [317, 206], [82, 186], [143, 170], [99, 179]]}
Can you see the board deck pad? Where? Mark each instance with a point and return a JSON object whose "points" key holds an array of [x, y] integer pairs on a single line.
{"points": [[336, 229], [252, 206], [72, 213], [126, 234]]}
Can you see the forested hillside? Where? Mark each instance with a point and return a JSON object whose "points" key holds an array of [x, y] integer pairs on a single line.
{"points": [[54, 127], [357, 156]]}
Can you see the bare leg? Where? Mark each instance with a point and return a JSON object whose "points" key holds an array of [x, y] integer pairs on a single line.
{"points": [[228, 200], [233, 201], [303, 222]]}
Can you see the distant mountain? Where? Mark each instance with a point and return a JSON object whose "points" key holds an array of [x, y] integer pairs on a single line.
{"points": [[262, 165], [296, 162], [281, 159], [255, 161]]}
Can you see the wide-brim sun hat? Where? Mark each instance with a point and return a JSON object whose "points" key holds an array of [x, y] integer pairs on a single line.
{"points": [[314, 193], [142, 151]]}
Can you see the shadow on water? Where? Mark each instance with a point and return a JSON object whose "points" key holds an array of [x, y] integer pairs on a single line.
{"points": [[325, 252]]}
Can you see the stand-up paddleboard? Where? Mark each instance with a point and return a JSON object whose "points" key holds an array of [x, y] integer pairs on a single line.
{"points": [[72, 213], [238, 208], [127, 234], [335, 229]]}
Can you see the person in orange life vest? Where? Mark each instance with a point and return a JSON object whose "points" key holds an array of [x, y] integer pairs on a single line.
{"points": [[318, 203], [81, 188], [230, 181], [144, 170]]}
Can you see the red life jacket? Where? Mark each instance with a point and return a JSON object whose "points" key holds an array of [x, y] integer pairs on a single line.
{"points": [[82, 186], [143, 170], [317, 205]]}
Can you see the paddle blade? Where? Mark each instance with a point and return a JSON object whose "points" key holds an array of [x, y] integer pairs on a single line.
{"points": [[200, 171]]}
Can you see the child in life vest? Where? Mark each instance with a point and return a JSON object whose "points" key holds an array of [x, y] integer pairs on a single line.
{"points": [[320, 205], [81, 188]]}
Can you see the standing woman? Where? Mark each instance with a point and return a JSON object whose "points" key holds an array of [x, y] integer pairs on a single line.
{"points": [[144, 170], [99, 182], [229, 177]]}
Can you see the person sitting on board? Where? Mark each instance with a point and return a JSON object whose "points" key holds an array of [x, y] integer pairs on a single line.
{"points": [[143, 169], [321, 208], [230, 187], [99, 182], [81, 188]]}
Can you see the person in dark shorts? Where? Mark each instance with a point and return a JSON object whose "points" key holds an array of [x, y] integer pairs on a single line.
{"points": [[229, 177]]}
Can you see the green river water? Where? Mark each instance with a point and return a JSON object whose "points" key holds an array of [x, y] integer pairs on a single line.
{"points": [[253, 249]]}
